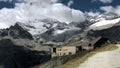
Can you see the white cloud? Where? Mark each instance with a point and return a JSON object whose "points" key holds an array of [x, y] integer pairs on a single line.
{"points": [[70, 3], [106, 1], [78, 16], [39, 9], [12, 0], [103, 1], [93, 14], [110, 9], [107, 8]]}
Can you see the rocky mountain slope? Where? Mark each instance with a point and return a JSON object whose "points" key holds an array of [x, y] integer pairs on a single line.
{"points": [[19, 50], [19, 36], [50, 31], [56, 32], [108, 26]]}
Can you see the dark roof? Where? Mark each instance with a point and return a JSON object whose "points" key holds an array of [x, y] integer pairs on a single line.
{"points": [[95, 40]]}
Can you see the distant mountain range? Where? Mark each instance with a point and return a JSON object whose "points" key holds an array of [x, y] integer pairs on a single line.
{"points": [[51, 31]]}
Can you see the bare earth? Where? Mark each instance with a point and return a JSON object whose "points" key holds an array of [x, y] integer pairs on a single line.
{"points": [[108, 59]]}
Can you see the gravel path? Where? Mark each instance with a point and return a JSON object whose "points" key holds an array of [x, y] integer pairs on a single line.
{"points": [[108, 59]]}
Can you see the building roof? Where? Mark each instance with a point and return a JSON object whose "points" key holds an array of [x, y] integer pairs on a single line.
{"points": [[95, 40]]}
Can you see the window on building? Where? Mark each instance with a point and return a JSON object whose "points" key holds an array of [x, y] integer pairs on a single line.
{"points": [[90, 45], [70, 53], [59, 49], [54, 49], [64, 54]]}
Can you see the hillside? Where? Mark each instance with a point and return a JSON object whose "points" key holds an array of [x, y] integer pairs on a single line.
{"points": [[109, 59], [75, 60]]}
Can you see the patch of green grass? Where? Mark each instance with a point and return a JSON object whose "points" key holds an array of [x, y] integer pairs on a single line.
{"points": [[75, 62]]}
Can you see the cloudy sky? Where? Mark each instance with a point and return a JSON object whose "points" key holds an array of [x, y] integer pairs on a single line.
{"points": [[84, 5], [91, 5], [12, 11]]}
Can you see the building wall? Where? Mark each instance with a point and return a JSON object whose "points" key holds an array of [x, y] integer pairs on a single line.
{"points": [[62, 51], [87, 48]]}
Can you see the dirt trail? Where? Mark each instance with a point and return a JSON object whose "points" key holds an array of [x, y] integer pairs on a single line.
{"points": [[108, 59]]}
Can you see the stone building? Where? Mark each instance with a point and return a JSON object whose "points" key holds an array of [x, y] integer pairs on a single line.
{"points": [[62, 51], [70, 50]]}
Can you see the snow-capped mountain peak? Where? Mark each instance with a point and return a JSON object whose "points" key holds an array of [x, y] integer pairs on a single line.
{"points": [[37, 27], [104, 21], [105, 16]]}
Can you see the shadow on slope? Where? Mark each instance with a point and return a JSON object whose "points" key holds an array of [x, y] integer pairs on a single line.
{"points": [[13, 56]]}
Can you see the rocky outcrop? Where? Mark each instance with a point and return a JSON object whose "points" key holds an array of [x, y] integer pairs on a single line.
{"points": [[16, 31]]}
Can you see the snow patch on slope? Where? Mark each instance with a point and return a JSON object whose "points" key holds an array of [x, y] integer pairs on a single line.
{"points": [[104, 24], [64, 30]]}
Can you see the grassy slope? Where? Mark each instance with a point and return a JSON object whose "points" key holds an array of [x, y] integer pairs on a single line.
{"points": [[75, 62]]}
